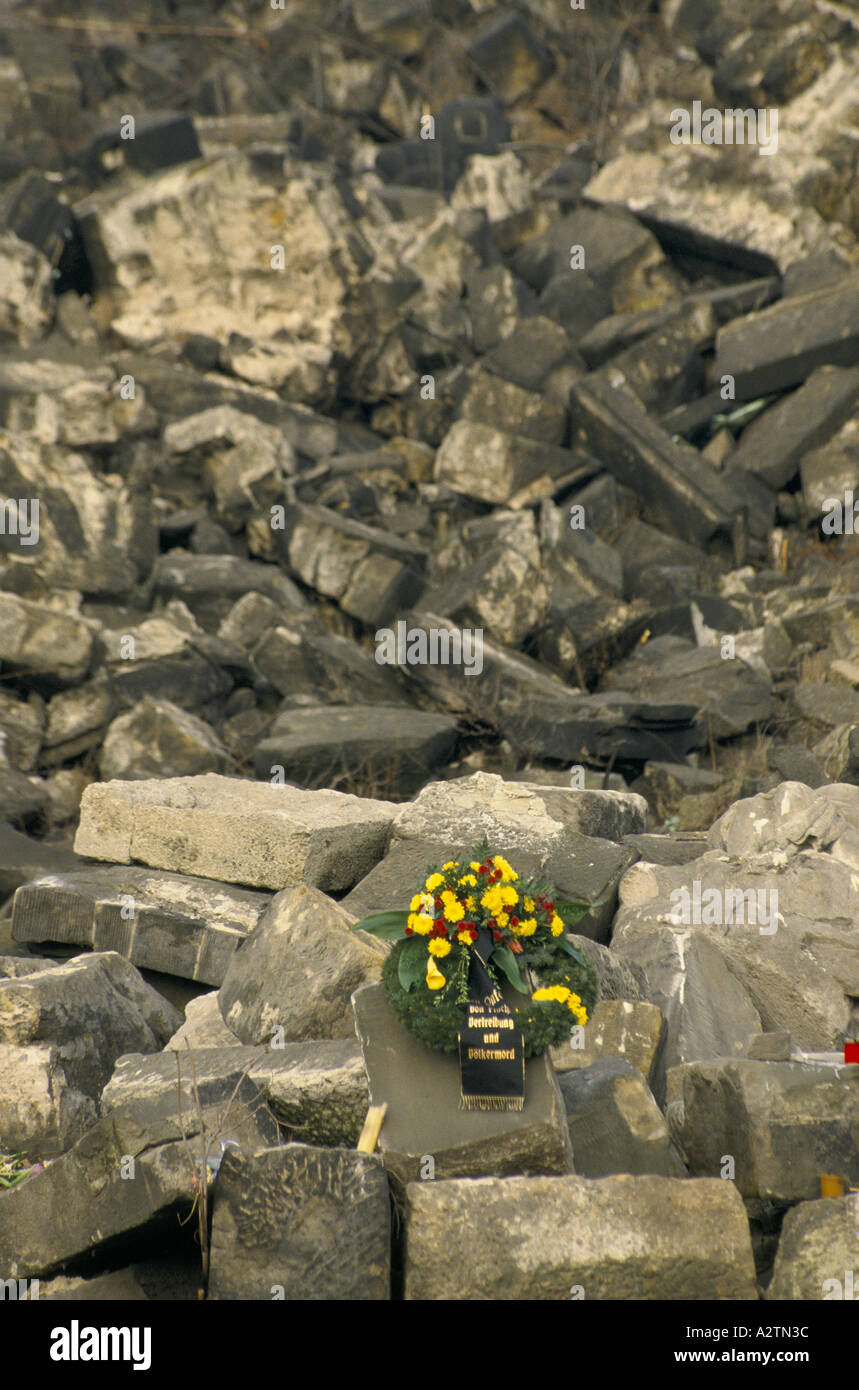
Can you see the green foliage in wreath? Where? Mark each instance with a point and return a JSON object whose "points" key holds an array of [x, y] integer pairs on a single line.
{"points": [[426, 974]]}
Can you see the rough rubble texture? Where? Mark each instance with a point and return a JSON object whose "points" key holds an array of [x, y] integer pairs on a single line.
{"points": [[423, 420]]}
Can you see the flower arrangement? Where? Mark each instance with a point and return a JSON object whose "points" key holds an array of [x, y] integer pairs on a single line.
{"points": [[481, 899]]}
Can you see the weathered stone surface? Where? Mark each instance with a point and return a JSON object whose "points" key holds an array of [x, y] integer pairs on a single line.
{"points": [[314, 1223], [40, 641], [782, 344], [618, 1237], [119, 1286], [172, 923], [386, 745], [158, 739], [634, 1032], [524, 816], [92, 1202], [784, 1123], [203, 1026], [297, 969], [774, 445], [462, 1143], [26, 303], [22, 858], [817, 1256], [22, 726], [61, 1030], [242, 832], [615, 1124], [728, 693], [490, 466]]}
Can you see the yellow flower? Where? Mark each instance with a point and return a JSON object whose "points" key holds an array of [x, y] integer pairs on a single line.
{"points": [[469, 881], [435, 979], [502, 919], [505, 868], [474, 865], [528, 927], [464, 937], [509, 896], [528, 904], [438, 946], [420, 924], [556, 925], [451, 864], [492, 899], [420, 900], [433, 882], [453, 908], [553, 993], [471, 903]]}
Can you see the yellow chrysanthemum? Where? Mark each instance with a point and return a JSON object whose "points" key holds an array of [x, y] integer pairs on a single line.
{"points": [[492, 899], [471, 903], [439, 947], [435, 979], [506, 869], [451, 864], [528, 927], [420, 900], [420, 924], [528, 904], [509, 896], [433, 882], [557, 925], [464, 937], [502, 919], [474, 865], [468, 881], [453, 908]]}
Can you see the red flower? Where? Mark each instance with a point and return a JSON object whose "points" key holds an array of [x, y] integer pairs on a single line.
{"points": [[514, 921], [550, 907], [410, 931], [442, 929], [497, 935]]}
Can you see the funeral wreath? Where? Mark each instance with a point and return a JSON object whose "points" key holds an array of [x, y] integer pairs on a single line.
{"points": [[477, 912]]}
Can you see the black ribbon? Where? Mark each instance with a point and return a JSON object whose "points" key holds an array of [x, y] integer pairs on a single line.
{"points": [[491, 1047]]}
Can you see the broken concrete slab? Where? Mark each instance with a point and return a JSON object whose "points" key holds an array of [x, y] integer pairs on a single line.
{"points": [[609, 1238], [300, 1222], [461, 1143], [235, 831], [783, 1123], [172, 923], [293, 975]]}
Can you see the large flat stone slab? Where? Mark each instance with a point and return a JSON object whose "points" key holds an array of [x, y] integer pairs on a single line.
{"points": [[301, 1223], [561, 1237], [172, 923], [421, 1088], [818, 1253], [238, 831]]}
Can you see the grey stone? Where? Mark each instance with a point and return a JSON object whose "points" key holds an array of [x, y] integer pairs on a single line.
{"points": [[505, 406], [76, 721], [421, 1089], [615, 1124], [27, 302], [158, 739], [297, 969], [172, 923], [784, 1123], [91, 1191], [783, 344], [769, 1047], [816, 1256], [386, 746], [119, 1286], [22, 726], [36, 640], [525, 816], [309, 665], [560, 1237], [203, 1026], [676, 483], [676, 848], [22, 858], [774, 445], [241, 832], [312, 1223], [728, 694], [482, 462], [633, 1031]]}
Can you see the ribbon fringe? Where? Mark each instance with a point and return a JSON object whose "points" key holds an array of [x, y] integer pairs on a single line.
{"points": [[491, 1102]]}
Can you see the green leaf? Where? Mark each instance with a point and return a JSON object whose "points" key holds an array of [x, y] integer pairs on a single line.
{"points": [[571, 951], [389, 925], [571, 913], [412, 965], [504, 958]]}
